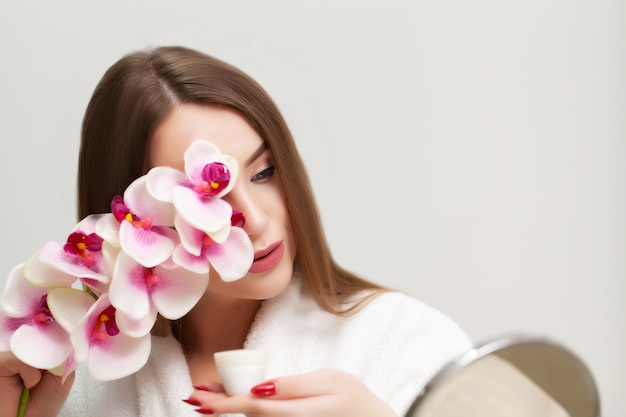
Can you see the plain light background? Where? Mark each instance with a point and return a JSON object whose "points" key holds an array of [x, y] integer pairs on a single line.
{"points": [[469, 152]]}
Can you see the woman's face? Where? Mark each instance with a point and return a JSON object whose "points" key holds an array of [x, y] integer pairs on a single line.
{"points": [[258, 192]]}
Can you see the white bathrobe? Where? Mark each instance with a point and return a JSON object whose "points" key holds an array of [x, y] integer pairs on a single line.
{"points": [[394, 345]]}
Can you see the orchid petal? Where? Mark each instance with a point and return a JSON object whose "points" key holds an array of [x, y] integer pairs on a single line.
{"points": [[42, 346], [97, 288], [69, 306], [19, 295], [190, 237], [6, 331], [233, 258], [122, 356], [88, 224], [107, 227], [199, 154], [180, 292], [33, 335], [233, 167], [136, 328], [70, 366], [110, 254], [197, 264], [115, 355], [81, 335], [148, 247], [53, 253], [142, 204], [161, 181], [128, 291], [109, 353], [207, 215], [44, 273], [221, 235], [58, 370]]}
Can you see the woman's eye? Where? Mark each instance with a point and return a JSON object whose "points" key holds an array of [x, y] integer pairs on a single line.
{"points": [[265, 174]]}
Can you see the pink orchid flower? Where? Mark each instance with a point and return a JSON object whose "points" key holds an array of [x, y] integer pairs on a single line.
{"points": [[68, 306], [231, 258], [98, 342], [197, 192], [27, 326], [140, 292], [83, 257], [141, 225]]}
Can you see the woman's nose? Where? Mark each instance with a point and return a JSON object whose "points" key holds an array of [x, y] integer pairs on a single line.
{"points": [[257, 219]]}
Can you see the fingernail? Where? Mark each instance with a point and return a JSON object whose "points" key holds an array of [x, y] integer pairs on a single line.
{"points": [[192, 401], [264, 390], [202, 388], [31, 389], [204, 411]]}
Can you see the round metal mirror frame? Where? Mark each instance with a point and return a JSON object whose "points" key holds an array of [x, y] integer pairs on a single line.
{"points": [[513, 343]]}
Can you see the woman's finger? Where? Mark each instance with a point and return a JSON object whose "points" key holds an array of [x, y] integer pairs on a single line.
{"points": [[322, 382], [49, 395], [12, 370], [324, 393]]}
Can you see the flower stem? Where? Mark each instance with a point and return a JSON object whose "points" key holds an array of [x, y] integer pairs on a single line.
{"points": [[21, 411]]}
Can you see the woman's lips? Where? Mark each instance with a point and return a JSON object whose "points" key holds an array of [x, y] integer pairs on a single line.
{"points": [[268, 258]]}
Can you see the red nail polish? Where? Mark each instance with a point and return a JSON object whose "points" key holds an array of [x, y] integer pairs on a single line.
{"points": [[202, 388], [205, 411], [264, 390], [192, 401], [31, 389]]}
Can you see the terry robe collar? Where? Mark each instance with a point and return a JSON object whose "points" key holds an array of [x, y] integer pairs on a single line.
{"points": [[394, 344]]}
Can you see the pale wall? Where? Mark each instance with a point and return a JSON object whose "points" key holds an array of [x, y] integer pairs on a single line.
{"points": [[469, 152]]}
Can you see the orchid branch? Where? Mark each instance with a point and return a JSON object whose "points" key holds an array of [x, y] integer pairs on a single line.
{"points": [[21, 411]]}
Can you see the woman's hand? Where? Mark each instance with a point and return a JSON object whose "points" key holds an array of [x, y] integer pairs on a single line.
{"points": [[324, 393], [47, 393]]}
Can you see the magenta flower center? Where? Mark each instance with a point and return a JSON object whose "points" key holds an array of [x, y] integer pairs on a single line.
{"points": [[215, 177], [43, 314], [237, 219], [118, 208], [123, 213], [207, 241], [105, 325], [150, 277], [84, 247]]}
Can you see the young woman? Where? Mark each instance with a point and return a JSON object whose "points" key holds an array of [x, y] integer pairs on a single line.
{"points": [[338, 345]]}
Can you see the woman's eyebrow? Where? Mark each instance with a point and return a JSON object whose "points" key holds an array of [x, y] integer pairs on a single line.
{"points": [[260, 151]]}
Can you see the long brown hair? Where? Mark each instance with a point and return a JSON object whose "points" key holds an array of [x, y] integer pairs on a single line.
{"points": [[136, 94]]}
